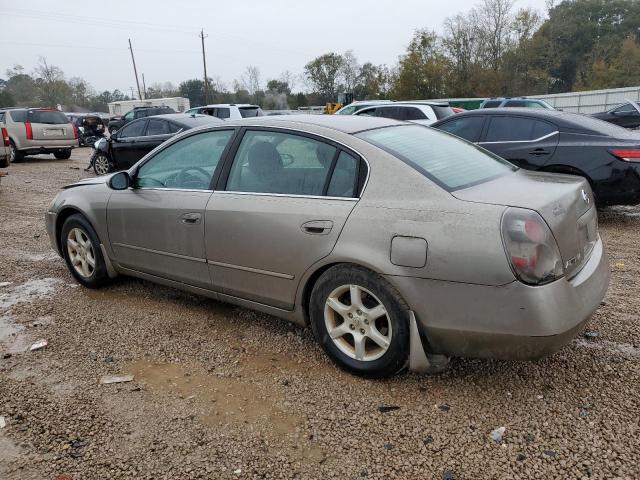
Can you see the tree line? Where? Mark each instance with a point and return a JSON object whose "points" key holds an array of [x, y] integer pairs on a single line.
{"points": [[491, 50]]}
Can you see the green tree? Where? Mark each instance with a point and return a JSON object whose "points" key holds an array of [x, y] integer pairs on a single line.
{"points": [[423, 71], [194, 90], [323, 73]]}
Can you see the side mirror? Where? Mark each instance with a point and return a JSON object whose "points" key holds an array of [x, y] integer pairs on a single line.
{"points": [[120, 181]]}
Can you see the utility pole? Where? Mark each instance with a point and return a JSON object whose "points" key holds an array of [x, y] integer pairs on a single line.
{"points": [[204, 63], [135, 70], [144, 87]]}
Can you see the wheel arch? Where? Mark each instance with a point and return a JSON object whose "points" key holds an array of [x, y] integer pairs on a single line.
{"points": [[312, 277], [62, 216], [567, 169]]}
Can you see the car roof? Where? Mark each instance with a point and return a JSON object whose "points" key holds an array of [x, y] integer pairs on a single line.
{"points": [[185, 117], [342, 123], [564, 120], [239, 105]]}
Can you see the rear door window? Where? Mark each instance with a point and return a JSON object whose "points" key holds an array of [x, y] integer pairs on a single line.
{"points": [[492, 104], [133, 129], [468, 128], [222, 113], [247, 112], [411, 113], [275, 162], [157, 127], [517, 129]]}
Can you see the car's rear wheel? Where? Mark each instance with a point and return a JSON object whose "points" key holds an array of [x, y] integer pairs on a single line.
{"points": [[4, 161], [15, 155], [81, 250], [101, 165], [361, 321], [63, 155]]}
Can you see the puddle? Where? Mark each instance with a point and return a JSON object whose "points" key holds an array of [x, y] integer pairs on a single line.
{"points": [[613, 347], [11, 333], [222, 400], [28, 292]]}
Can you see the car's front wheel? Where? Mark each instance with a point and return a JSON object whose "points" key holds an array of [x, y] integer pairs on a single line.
{"points": [[101, 165], [361, 321], [81, 250]]}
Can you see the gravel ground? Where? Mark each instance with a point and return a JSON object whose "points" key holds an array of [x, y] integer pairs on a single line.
{"points": [[222, 392]]}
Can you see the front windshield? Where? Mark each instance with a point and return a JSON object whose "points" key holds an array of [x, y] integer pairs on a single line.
{"points": [[449, 161]]}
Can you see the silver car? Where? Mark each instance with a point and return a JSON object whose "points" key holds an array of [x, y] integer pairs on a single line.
{"points": [[388, 238]]}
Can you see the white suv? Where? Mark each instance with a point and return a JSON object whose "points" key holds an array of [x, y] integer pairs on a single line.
{"points": [[424, 112], [39, 130], [229, 111]]}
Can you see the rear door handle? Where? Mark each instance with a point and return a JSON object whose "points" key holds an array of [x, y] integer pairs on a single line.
{"points": [[191, 218], [317, 227]]}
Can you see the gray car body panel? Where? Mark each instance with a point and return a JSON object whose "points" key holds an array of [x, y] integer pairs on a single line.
{"points": [[465, 296]]}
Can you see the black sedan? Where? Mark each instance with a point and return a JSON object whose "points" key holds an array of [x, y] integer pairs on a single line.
{"points": [[626, 115], [139, 137], [554, 141]]}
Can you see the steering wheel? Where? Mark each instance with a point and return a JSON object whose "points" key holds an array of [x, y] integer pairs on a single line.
{"points": [[184, 178]]}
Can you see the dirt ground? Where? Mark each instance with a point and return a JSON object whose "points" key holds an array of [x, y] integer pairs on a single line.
{"points": [[222, 392]]}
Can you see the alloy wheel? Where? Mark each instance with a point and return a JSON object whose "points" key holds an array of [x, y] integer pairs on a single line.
{"points": [[101, 165], [357, 322], [80, 250]]}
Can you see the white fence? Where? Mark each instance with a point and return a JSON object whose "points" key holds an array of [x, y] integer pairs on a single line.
{"points": [[593, 101]]}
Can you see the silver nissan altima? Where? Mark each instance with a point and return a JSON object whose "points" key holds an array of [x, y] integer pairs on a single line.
{"points": [[396, 243]]}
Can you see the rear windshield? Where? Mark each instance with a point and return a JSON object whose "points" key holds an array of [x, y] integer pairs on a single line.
{"points": [[442, 111], [47, 116], [596, 126], [448, 161], [246, 112]]}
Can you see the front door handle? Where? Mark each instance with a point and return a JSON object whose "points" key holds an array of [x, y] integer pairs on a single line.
{"points": [[539, 151], [191, 218], [317, 227]]}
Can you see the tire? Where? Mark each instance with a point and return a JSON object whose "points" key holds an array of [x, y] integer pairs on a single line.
{"points": [[15, 155], [372, 360], [101, 164], [80, 230], [4, 162], [64, 155]]}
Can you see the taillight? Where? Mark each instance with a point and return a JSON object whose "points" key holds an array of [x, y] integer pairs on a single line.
{"points": [[628, 155], [27, 126], [531, 249], [5, 137], [75, 131]]}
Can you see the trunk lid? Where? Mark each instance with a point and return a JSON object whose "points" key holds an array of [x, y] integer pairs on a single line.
{"points": [[564, 201]]}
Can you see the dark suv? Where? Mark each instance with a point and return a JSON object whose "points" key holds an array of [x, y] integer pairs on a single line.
{"points": [[116, 123]]}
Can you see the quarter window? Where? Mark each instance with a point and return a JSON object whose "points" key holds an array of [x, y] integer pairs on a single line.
{"points": [[468, 128], [492, 104], [187, 164], [18, 116], [222, 113], [274, 162], [411, 113], [517, 129], [133, 129]]}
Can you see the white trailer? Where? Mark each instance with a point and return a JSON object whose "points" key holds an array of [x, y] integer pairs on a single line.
{"points": [[593, 101], [179, 104]]}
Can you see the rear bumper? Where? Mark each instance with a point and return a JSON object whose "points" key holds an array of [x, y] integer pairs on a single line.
{"points": [[513, 321], [47, 146]]}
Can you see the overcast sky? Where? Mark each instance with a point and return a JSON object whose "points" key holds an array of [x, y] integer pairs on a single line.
{"points": [[89, 40]]}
